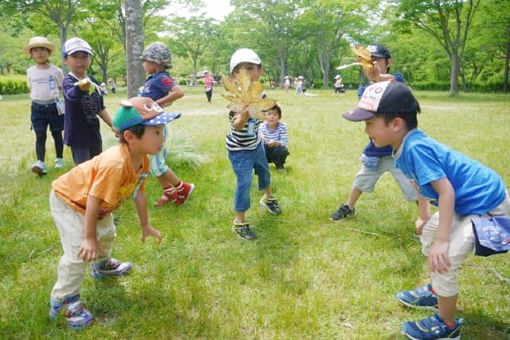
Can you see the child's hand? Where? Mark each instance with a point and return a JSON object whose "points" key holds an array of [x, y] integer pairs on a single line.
{"points": [[89, 249], [438, 260], [84, 85], [150, 231], [273, 143], [419, 224]]}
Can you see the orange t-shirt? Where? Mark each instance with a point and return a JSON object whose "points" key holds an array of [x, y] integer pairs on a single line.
{"points": [[110, 177]]}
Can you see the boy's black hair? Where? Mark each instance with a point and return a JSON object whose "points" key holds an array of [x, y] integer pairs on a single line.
{"points": [[138, 130], [410, 118]]}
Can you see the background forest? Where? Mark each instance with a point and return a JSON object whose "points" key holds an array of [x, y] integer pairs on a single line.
{"points": [[456, 45]]}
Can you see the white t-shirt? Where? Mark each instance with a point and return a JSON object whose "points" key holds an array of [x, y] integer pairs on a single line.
{"points": [[44, 84]]}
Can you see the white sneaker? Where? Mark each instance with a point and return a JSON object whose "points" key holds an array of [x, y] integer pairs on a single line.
{"points": [[59, 163], [39, 168]]}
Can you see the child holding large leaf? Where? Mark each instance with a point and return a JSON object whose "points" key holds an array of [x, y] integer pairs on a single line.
{"points": [[244, 146]]}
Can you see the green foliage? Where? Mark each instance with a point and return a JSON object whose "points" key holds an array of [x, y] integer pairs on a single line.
{"points": [[15, 84]]}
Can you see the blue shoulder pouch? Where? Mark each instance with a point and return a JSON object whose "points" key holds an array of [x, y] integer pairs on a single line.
{"points": [[492, 235]]}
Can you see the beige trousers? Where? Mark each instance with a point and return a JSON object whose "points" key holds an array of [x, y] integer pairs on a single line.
{"points": [[71, 227], [461, 245]]}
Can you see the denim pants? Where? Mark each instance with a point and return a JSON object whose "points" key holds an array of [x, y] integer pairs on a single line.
{"points": [[243, 163]]}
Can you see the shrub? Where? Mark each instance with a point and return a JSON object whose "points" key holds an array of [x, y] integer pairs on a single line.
{"points": [[13, 84]]}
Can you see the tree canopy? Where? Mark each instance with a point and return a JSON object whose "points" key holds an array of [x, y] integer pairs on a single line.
{"points": [[436, 44]]}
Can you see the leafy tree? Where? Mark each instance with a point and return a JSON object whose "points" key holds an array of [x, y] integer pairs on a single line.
{"points": [[191, 37], [448, 21]]}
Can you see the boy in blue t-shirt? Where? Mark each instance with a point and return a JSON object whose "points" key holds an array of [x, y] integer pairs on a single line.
{"points": [[461, 187], [161, 88]]}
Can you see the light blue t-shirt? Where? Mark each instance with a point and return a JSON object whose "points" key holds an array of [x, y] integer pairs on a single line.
{"points": [[478, 188]]}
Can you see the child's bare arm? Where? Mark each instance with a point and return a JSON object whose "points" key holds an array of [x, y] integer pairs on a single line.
{"points": [[438, 256], [240, 118], [141, 208], [423, 213], [108, 120], [90, 246], [175, 93]]}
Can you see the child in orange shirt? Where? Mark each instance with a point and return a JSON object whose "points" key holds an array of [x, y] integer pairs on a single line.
{"points": [[82, 201]]}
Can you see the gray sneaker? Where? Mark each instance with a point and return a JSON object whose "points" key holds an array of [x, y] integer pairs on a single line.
{"points": [[244, 231], [39, 168], [59, 163], [342, 212], [271, 204]]}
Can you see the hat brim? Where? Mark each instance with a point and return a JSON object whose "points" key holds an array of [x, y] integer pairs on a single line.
{"points": [[162, 119], [73, 51], [358, 115], [48, 46]]}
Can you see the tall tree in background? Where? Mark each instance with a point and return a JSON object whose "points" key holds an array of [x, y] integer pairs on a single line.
{"points": [[58, 11], [448, 21], [271, 24], [134, 45], [191, 37]]}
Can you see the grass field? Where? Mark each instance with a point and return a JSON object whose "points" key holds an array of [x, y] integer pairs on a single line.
{"points": [[304, 278]]}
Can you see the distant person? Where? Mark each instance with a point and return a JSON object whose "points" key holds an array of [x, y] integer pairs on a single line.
{"points": [[375, 160], [300, 86], [287, 84], [45, 83], [104, 90], [83, 199], [164, 91], [274, 135], [208, 84], [83, 103], [460, 187], [113, 85], [339, 86], [246, 152]]}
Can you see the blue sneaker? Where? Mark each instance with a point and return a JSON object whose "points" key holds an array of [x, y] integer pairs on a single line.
{"points": [[57, 306], [110, 267], [421, 298], [432, 328], [76, 316]]}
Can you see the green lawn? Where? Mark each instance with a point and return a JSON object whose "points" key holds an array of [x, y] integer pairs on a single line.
{"points": [[304, 278]]}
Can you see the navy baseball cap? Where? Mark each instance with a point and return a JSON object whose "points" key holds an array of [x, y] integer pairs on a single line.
{"points": [[378, 51], [384, 97]]}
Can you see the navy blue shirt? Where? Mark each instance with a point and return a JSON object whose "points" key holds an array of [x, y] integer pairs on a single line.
{"points": [[158, 85]]}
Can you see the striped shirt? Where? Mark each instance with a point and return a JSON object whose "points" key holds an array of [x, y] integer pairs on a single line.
{"points": [[279, 134], [242, 140]]}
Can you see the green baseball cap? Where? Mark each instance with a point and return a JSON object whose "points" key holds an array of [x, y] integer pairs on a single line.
{"points": [[141, 110]]}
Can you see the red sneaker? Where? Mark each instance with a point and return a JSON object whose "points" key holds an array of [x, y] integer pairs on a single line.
{"points": [[169, 195], [184, 191]]}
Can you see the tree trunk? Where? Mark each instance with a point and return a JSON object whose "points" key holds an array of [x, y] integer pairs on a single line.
{"points": [[454, 75], [134, 46], [507, 57]]}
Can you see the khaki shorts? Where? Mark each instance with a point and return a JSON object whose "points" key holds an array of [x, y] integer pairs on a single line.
{"points": [[461, 245]]}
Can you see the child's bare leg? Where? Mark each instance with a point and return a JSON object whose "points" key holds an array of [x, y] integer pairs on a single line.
{"points": [[169, 178], [240, 216], [447, 307], [268, 191]]}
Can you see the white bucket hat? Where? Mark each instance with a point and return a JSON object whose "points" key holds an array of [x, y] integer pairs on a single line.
{"points": [[39, 42], [244, 55]]}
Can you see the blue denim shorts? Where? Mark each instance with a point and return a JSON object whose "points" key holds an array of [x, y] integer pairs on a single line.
{"points": [[44, 115], [243, 163]]}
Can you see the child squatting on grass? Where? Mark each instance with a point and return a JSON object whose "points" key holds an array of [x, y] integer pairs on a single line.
{"points": [[246, 152], [274, 134], [164, 91], [45, 83], [461, 187], [82, 201]]}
